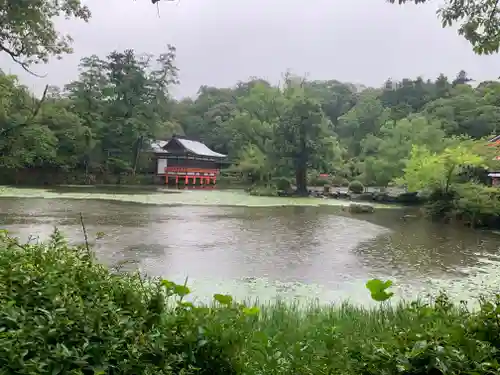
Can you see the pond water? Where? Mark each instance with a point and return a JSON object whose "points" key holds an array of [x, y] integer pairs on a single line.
{"points": [[250, 247]]}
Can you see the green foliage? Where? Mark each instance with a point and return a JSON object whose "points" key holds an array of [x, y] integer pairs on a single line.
{"points": [[477, 204], [365, 118], [64, 313], [231, 178], [439, 171], [302, 135], [378, 289], [27, 29], [98, 124], [339, 181], [318, 181], [263, 191], [224, 300], [283, 184], [254, 164], [356, 187], [451, 179], [384, 156], [478, 21], [97, 128]]}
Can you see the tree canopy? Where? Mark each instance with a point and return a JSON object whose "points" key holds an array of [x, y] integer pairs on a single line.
{"points": [[27, 29], [94, 127]]}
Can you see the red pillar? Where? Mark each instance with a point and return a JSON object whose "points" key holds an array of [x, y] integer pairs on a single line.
{"points": [[176, 180], [186, 180], [194, 180]]}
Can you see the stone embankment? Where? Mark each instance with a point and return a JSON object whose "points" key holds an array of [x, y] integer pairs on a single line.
{"points": [[396, 196]]}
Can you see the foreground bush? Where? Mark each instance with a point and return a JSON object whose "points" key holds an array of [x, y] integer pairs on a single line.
{"points": [[62, 313]]}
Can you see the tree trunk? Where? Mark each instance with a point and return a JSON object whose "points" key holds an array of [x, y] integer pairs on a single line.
{"points": [[86, 177], [301, 180]]}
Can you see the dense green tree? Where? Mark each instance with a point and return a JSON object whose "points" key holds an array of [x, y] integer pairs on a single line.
{"points": [[97, 124], [439, 170], [95, 127], [300, 136], [366, 117], [336, 98], [24, 142], [27, 29], [467, 111], [385, 155]]}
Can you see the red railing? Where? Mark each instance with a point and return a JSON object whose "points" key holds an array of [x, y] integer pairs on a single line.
{"points": [[183, 170]]}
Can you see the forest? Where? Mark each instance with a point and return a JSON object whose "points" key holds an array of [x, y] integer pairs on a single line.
{"points": [[97, 128], [95, 125]]}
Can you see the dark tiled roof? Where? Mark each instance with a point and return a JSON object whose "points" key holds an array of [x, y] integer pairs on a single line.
{"points": [[195, 147]]}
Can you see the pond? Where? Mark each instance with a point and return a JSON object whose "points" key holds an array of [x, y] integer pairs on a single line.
{"points": [[264, 248]]}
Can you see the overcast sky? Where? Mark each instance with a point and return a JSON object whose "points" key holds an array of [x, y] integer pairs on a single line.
{"points": [[222, 41]]}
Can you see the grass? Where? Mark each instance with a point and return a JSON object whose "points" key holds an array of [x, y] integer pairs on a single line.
{"points": [[63, 313]]}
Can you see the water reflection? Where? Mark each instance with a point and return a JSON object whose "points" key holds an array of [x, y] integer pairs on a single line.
{"points": [[238, 247], [419, 248]]}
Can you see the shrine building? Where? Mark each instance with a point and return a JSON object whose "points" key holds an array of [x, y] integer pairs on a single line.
{"points": [[187, 162]]}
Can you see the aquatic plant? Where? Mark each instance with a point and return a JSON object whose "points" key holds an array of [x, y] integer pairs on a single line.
{"points": [[63, 313], [378, 289]]}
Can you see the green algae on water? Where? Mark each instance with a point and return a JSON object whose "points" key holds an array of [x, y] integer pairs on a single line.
{"points": [[183, 197]]}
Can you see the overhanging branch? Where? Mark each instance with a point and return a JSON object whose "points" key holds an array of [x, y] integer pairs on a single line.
{"points": [[15, 57]]}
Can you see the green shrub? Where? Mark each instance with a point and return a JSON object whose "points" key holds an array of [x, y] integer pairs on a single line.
{"points": [[263, 191], [231, 179], [62, 313], [339, 181], [356, 187], [283, 184], [333, 181], [319, 181]]}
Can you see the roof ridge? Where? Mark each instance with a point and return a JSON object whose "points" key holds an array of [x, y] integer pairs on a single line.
{"points": [[199, 148]]}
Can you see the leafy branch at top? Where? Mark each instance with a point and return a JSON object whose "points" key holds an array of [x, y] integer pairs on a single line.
{"points": [[28, 33], [478, 21]]}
